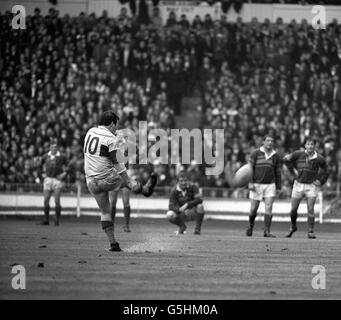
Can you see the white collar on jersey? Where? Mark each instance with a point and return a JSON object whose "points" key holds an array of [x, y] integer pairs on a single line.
{"points": [[314, 156], [55, 155], [179, 189], [267, 156], [104, 128]]}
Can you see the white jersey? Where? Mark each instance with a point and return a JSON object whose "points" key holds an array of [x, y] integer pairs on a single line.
{"points": [[98, 143]]}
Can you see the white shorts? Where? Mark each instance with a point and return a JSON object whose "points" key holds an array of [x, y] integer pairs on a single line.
{"points": [[263, 191], [112, 182], [51, 184], [308, 189]]}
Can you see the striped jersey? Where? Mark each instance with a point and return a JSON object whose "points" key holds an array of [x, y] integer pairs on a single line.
{"points": [[180, 197], [98, 143], [54, 164], [309, 168], [266, 168]]}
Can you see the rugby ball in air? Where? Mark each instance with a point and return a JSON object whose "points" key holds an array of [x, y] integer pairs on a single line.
{"points": [[241, 178]]}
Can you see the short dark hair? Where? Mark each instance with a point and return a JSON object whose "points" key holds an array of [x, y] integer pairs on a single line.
{"points": [[268, 135], [307, 139], [107, 117], [183, 174]]}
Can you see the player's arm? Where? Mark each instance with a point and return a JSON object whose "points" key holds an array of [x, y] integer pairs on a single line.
{"points": [[289, 161], [62, 175], [252, 161], [173, 202], [323, 173], [278, 174], [197, 198], [43, 165]]}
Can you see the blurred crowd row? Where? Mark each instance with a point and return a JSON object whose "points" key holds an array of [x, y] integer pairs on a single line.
{"points": [[60, 73]]}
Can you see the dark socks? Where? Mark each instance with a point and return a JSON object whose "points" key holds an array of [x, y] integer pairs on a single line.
{"points": [[58, 212], [46, 213], [311, 223], [126, 211], [199, 219], [108, 227], [267, 222], [293, 217], [252, 218]]}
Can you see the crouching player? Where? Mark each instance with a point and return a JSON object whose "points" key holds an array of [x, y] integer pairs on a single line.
{"points": [[185, 204], [311, 173], [104, 172]]}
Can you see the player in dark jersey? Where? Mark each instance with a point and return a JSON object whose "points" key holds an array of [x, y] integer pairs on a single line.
{"points": [[310, 172], [266, 164], [185, 204], [55, 167]]}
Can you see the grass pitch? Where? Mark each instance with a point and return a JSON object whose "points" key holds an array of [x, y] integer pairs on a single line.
{"points": [[221, 263]]}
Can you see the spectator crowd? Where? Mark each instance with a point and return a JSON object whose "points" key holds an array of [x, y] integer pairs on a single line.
{"points": [[60, 73]]}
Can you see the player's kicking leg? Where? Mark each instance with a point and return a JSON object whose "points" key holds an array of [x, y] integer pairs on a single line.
{"points": [[102, 199]]}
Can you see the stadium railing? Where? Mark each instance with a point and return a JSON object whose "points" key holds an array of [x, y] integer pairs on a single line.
{"points": [[17, 197]]}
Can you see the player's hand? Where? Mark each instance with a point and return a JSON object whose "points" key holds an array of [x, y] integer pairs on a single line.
{"points": [[61, 176], [251, 187], [317, 183], [183, 208]]}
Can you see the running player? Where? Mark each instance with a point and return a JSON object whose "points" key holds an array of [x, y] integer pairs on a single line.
{"points": [[266, 164], [55, 167], [310, 172], [104, 171], [185, 204]]}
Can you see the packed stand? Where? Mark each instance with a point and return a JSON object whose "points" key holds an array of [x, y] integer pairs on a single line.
{"points": [[253, 77]]}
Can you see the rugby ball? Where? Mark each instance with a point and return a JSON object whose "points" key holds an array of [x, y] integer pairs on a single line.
{"points": [[241, 178]]}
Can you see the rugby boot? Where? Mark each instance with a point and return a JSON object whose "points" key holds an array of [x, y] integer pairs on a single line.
{"points": [[292, 230], [267, 234], [126, 228], [182, 229], [249, 230], [311, 235], [115, 247], [45, 222]]}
